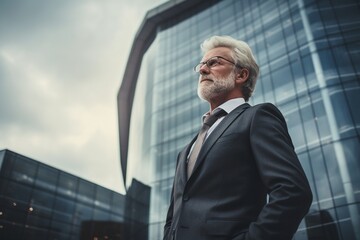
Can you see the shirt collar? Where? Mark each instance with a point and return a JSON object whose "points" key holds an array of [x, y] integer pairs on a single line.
{"points": [[228, 106], [231, 104]]}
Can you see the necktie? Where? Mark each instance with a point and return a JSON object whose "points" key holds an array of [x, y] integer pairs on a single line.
{"points": [[208, 122]]}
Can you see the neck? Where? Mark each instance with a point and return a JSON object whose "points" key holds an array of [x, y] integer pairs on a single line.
{"points": [[216, 102]]}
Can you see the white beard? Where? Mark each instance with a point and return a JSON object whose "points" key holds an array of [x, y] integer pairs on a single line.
{"points": [[209, 90]]}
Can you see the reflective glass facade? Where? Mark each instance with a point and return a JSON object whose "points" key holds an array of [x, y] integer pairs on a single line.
{"points": [[41, 202], [308, 53]]}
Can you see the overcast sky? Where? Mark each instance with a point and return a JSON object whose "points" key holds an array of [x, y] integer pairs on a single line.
{"points": [[61, 65]]}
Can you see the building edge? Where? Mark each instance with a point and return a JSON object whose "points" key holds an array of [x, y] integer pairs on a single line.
{"points": [[143, 39]]}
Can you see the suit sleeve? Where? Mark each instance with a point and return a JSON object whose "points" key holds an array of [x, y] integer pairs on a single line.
{"points": [[281, 173], [169, 216]]}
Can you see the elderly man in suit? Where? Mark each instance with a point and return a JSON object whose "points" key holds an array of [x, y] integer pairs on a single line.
{"points": [[240, 177]]}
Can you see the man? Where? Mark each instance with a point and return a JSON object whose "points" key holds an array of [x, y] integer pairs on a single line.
{"points": [[246, 181]]}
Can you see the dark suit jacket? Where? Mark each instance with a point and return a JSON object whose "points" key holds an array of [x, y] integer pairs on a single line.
{"points": [[248, 156]]}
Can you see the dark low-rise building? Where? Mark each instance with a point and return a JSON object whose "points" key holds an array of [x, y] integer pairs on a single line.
{"points": [[41, 202]]}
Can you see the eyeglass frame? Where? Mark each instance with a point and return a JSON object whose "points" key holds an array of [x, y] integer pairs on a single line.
{"points": [[199, 65]]}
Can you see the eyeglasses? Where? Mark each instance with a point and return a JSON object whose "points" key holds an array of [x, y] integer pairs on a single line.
{"points": [[212, 62]]}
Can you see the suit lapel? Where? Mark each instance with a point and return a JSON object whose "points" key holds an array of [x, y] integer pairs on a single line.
{"points": [[181, 170], [218, 131]]}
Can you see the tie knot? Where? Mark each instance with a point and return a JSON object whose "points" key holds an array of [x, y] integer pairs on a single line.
{"points": [[215, 115]]}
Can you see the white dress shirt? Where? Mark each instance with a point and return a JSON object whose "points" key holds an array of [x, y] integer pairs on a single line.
{"points": [[228, 107]]}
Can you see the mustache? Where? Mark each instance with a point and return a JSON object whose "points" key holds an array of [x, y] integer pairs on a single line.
{"points": [[206, 78]]}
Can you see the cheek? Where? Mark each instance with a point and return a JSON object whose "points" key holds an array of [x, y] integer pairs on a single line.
{"points": [[221, 77]]}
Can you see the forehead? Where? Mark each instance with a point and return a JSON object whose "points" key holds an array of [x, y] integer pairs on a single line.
{"points": [[219, 51]]}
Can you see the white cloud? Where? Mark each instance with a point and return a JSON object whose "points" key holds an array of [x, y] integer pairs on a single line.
{"points": [[61, 63]]}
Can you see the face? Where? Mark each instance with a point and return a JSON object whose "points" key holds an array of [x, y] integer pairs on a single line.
{"points": [[219, 81]]}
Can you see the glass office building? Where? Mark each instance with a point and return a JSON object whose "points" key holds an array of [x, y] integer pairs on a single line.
{"points": [[40, 202], [308, 53]]}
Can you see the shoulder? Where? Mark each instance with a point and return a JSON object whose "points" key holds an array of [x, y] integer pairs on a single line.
{"points": [[266, 110], [266, 105]]}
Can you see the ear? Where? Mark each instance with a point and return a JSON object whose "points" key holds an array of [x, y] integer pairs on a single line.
{"points": [[242, 76]]}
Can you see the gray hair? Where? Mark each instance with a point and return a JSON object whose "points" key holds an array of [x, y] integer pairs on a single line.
{"points": [[242, 55]]}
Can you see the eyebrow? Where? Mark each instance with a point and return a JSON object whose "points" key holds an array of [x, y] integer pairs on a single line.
{"points": [[220, 58]]}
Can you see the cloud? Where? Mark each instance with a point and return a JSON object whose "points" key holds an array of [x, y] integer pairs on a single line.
{"points": [[61, 63]]}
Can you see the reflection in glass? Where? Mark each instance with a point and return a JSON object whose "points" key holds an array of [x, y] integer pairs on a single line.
{"points": [[320, 225]]}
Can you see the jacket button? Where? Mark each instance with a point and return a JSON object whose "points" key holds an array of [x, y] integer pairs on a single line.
{"points": [[185, 198]]}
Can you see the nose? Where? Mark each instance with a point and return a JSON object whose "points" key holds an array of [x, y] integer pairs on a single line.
{"points": [[204, 70]]}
